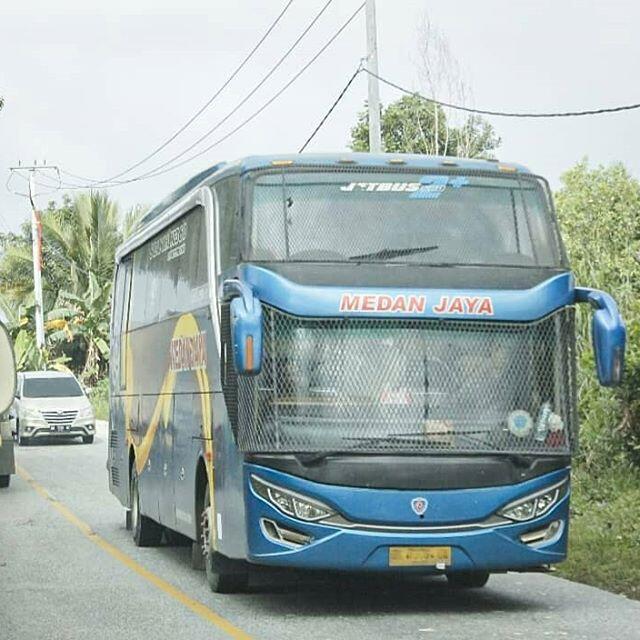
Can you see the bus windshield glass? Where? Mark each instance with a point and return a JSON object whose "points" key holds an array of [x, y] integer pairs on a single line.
{"points": [[411, 218]]}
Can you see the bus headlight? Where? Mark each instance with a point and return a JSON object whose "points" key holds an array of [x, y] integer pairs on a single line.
{"points": [[536, 504], [291, 503]]}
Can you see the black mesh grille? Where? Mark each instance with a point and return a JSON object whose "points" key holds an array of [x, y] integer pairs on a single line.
{"points": [[377, 385]]}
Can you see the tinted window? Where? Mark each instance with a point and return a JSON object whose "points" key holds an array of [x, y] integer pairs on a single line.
{"points": [[228, 196], [426, 218], [170, 272], [51, 388]]}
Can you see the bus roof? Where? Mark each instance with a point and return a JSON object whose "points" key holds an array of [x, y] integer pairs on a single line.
{"points": [[253, 163]]}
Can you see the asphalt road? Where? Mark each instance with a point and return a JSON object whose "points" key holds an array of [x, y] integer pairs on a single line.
{"points": [[69, 569]]}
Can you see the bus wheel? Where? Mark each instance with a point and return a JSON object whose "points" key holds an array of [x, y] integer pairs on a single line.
{"points": [[468, 579], [4, 481], [146, 532], [223, 574]]}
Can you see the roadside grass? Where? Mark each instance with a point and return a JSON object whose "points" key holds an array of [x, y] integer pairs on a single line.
{"points": [[99, 397], [604, 532]]}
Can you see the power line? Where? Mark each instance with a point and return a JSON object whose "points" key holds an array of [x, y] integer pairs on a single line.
{"points": [[507, 114], [331, 108], [247, 120], [199, 112], [250, 94], [271, 100]]}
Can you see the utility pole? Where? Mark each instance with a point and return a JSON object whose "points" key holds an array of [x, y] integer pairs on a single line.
{"points": [[36, 245], [375, 143]]}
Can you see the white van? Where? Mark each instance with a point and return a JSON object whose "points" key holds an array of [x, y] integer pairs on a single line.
{"points": [[52, 404]]}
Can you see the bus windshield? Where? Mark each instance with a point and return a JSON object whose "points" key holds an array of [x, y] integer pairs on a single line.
{"points": [[412, 218]]}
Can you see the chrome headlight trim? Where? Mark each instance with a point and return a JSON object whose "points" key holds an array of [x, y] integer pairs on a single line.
{"points": [[555, 491], [268, 491]]}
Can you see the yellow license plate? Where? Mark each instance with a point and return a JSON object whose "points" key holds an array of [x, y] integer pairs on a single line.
{"points": [[419, 556]]}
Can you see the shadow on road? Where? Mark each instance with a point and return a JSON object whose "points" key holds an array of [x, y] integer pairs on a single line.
{"points": [[356, 595], [281, 592]]}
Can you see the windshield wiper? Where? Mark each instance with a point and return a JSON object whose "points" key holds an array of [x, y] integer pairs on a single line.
{"points": [[388, 254], [309, 459]]}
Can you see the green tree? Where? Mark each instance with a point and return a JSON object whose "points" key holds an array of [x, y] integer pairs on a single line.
{"points": [[85, 318], [409, 126], [598, 212], [79, 241]]}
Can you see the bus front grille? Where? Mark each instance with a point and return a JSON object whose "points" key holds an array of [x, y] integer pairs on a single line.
{"points": [[411, 386]]}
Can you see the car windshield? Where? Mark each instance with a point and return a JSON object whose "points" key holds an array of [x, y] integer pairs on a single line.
{"points": [[413, 218], [51, 388]]}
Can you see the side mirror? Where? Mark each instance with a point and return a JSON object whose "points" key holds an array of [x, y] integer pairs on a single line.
{"points": [[608, 334], [7, 371], [246, 327]]}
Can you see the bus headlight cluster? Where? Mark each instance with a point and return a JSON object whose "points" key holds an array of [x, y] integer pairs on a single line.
{"points": [[536, 504], [291, 503]]}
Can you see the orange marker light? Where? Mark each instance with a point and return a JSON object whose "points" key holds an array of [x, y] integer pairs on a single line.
{"points": [[248, 345]]}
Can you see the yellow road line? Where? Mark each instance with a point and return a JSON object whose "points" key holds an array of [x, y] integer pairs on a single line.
{"points": [[195, 606]]}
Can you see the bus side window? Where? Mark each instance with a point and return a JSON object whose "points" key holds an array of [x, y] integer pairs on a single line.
{"points": [[123, 318], [228, 195]]}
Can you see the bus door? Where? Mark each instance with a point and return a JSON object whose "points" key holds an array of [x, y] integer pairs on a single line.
{"points": [[187, 443]]}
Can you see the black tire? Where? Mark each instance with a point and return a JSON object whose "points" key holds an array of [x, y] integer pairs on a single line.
{"points": [[146, 532], [223, 574], [4, 481], [468, 579], [87, 439], [23, 442]]}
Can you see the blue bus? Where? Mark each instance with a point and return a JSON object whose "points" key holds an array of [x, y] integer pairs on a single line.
{"points": [[352, 362]]}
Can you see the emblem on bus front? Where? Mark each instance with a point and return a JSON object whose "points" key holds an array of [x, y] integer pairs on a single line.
{"points": [[419, 506]]}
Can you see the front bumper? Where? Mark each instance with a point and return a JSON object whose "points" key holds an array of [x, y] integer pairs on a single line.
{"points": [[489, 548], [39, 430]]}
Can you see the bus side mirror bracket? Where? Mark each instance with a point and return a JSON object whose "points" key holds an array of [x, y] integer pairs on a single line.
{"points": [[608, 334], [246, 327]]}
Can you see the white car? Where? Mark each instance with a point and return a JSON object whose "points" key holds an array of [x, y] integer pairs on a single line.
{"points": [[52, 404]]}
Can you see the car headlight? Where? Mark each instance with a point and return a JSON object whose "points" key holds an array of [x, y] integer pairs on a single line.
{"points": [[536, 504], [291, 503], [31, 414], [85, 414]]}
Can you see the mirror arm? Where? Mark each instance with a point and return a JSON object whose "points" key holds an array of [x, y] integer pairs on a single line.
{"points": [[597, 299], [239, 288]]}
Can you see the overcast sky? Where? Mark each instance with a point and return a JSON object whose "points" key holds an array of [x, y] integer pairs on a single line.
{"points": [[95, 86]]}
